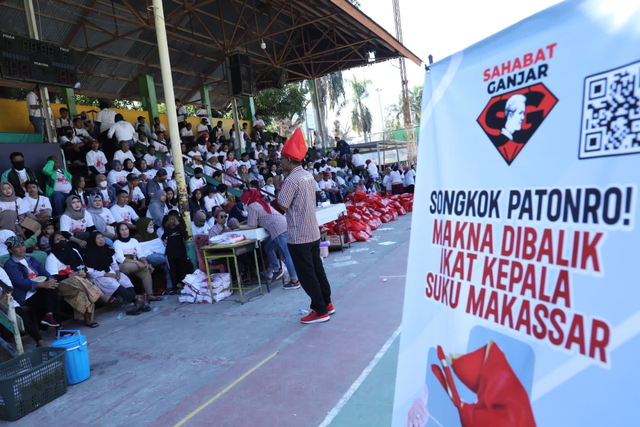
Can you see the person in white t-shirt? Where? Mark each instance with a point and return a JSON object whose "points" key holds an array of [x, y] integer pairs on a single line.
{"points": [[150, 157], [123, 210], [135, 198], [230, 161], [117, 177], [75, 222], [156, 121], [96, 160], [106, 119], [124, 153], [130, 257], [372, 170], [244, 160], [186, 133], [181, 112], [35, 111], [258, 123], [63, 121], [39, 205], [330, 188], [81, 132], [12, 209], [74, 147], [122, 130], [161, 144], [107, 193], [409, 179], [103, 219], [357, 160], [197, 181]]}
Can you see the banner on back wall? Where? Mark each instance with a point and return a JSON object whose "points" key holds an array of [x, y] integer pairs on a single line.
{"points": [[522, 296]]}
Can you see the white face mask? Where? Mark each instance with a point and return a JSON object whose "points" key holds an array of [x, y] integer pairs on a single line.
{"points": [[103, 184]]}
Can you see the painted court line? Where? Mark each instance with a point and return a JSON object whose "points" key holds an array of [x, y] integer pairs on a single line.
{"points": [[226, 389], [358, 382]]}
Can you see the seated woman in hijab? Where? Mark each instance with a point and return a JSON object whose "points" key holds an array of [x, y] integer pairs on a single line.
{"points": [[103, 271], [244, 176], [220, 225], [103, 219], [237, 215], [33, 286], [76, 223], [199, 224], [117, 177], [12, 210], [156, 211], [148, 172], [131, 260], [67, 266]]}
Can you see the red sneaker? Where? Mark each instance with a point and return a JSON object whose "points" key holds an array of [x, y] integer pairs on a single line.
{"points": [[314, 317], [330, 308], [49, 321]]}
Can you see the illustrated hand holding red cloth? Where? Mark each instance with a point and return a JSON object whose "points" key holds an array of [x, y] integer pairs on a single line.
{"points": [[502, 400]]}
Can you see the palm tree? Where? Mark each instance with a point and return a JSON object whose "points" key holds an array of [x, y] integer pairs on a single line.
{"points": [[330, 95], [396, 111], [360, 115]]}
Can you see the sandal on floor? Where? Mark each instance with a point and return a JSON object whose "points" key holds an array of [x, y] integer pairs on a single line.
{"points": [[133, 312], [92, 325], [146, 307]]}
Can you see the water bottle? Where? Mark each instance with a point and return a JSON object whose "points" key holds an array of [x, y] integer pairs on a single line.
{"points": [[121, 316], [156, 308], [301, 311]]}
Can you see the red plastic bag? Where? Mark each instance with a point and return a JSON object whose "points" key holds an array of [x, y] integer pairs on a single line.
{"points": [[361, 236]]}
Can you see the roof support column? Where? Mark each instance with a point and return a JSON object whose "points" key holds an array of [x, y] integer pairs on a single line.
{"points": [[249, 110], [205, 100], [169, 99], [47, 114], [148, 97], [69, 98]]}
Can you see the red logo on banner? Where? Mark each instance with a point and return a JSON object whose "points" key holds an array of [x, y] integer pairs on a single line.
{"points": [[511, 119]]}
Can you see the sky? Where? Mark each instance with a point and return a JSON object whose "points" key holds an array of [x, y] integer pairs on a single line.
{"points": [[440, 28]]}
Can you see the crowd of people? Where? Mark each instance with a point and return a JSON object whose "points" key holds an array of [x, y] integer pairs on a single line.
{"points": [[98, 235]]}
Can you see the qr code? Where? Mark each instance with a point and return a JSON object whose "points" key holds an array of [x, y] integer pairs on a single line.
{"points": [[611, 113]]}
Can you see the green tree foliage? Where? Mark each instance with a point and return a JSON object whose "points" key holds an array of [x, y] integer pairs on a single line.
{"points": [[360, 115], [396, 111], [281, 104]]}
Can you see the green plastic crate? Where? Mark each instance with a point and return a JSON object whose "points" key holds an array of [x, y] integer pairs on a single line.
{"points": [[31, 380]]}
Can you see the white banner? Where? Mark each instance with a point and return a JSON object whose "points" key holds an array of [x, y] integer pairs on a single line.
{"points": [[522, 297]]}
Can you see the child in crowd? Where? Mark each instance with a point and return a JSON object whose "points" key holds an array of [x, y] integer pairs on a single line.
{"points": [[43, 243], [176, 253]]}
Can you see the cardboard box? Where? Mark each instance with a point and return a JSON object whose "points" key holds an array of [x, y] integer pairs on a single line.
{"points": [[336, 242]]}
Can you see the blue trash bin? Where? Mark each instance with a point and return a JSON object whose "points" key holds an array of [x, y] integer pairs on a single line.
{"points": [[77, 355]]}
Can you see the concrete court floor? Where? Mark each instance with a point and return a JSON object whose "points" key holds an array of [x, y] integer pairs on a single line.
{"points": [[177, 364]]}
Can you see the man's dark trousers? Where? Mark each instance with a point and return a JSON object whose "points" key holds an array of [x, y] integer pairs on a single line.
{"points": [[306, 259]]}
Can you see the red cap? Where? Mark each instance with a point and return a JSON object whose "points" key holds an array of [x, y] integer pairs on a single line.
{"points": [[295, 148], [326, 173]]}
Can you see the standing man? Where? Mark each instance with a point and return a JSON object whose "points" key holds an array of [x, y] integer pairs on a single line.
{"points": [[298, 199], [35, 110], [181, 112], [106, 118]]}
